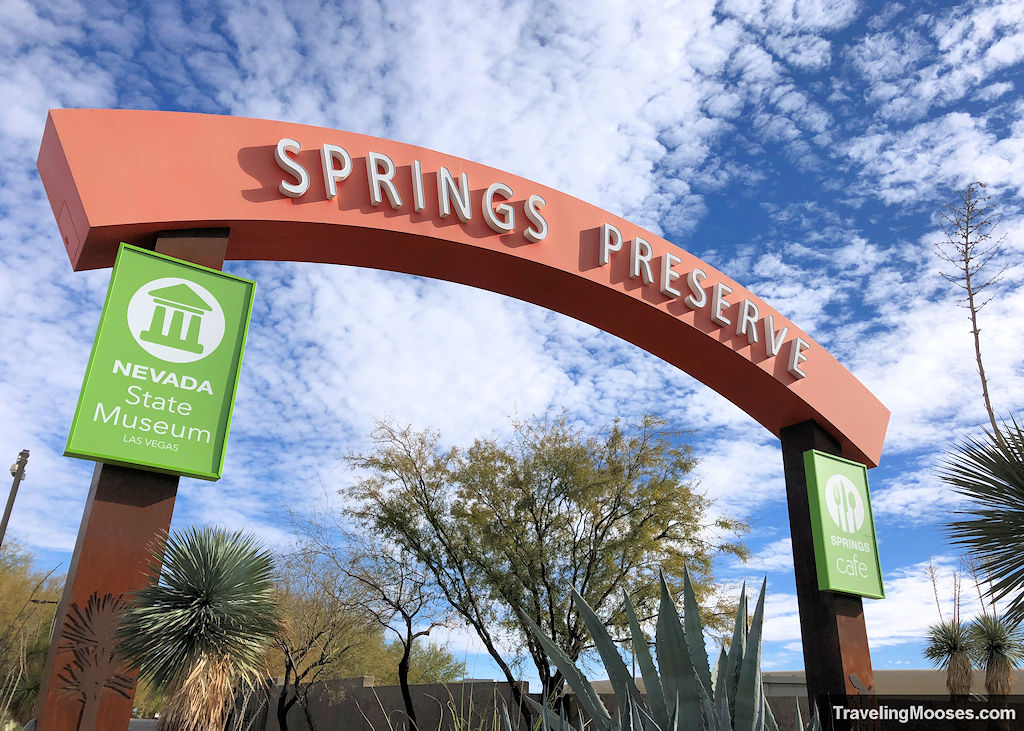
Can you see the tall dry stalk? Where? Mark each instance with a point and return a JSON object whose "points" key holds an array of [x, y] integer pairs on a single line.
{"points": [[969, 226]]}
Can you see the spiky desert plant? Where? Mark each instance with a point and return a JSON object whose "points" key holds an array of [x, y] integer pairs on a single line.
{"points": [[682, 692], [202, 628], [949, 648], [998, 647], [990, 473]]}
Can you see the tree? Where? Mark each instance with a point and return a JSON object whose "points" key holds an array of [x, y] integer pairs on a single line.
{"points": [[989, 472], [203, 627], [319, 627], [998, 648], [397, 592], [504, 528], [949, 646], [428, 663], [969, 226], [28, 599], [386, 586]]}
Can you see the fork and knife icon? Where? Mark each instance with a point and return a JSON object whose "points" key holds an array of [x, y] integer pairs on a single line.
{"points": [[844, 503]]}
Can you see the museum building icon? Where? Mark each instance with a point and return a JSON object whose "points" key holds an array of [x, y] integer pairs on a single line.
{"points": [[185, 309]]}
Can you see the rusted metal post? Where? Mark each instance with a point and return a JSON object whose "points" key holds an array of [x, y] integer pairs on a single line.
{"points": [[85, 686], [837, 660]]}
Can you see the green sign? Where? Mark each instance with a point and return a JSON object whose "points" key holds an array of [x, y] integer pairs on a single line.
{"points": [[845, 547], [161, 380]]}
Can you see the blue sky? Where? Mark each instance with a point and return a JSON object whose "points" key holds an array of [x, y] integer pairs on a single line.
{"points": [[803, 148]]}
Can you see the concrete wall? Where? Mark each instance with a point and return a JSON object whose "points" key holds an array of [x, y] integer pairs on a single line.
{"points": [[356, 705]]}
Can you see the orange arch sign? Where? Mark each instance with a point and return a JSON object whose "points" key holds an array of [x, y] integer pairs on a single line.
{"points": [[291, 192]]}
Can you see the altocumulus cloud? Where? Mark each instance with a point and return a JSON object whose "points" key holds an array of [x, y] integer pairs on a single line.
{"points": [[803, 147]]}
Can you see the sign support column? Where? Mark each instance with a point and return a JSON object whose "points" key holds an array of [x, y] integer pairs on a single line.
{"points": [[84, 686], [835, 643]]}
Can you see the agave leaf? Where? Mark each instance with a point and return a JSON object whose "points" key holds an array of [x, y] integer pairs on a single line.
{"points": [[547, 716], [770, 724], [648, 721], [718, 675], [695, 634], [724, 715], [585, 692], [619, 675], [748, 713], [798, 719], [673, 721], [679, 679], [632, 720], [736, 651], [815, 724], [506, 722], [708, 711], [652, 681]]}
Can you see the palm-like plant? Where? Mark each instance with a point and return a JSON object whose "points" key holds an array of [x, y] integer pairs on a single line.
{"points": [[990, 473], [998, 646], [949, 647], [202, 627]]}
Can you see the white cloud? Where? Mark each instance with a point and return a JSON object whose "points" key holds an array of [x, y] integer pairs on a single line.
{"points": [[775, 556], [902, 618], [914, 498], [938, 59], [661, 117]]}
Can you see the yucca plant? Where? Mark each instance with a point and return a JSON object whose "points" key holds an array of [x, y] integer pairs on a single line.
{"points": [[949, 648], [202, 628], [990, 473], [683, 693], [998, 647]]}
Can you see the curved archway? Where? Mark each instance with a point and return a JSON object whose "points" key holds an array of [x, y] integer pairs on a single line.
{"points": [[287, 192], [302, 193]]}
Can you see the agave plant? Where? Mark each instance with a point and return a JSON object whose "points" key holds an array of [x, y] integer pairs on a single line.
{"points": [[683, 693], [949, 647], [203, 626], [998, 647]]}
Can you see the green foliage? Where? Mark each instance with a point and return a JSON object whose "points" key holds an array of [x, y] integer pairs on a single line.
{"points": [[28, 600], [371, 654], [997, 647], [682, 694], [949, 647], [213, 596], [945, 640], [428, 663], [990, 474], [993, 638], [990, 642], [501, 526], [204, 624], [319, 627]]}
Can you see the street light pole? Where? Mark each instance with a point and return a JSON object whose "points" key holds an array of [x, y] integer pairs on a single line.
{"points": [[18, 473]]}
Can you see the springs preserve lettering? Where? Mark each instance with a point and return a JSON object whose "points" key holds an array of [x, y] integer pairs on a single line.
{"points": [[441, 193]]}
